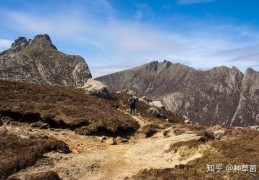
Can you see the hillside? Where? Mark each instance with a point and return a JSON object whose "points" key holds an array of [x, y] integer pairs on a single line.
{"points": [[221, 95], [39, 61], [58, 123], [62, 107], [53, 132]]}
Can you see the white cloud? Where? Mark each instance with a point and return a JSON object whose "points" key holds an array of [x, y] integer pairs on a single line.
{"points": [[188, 2], [5, 43], [110, 44], [60, 25]]}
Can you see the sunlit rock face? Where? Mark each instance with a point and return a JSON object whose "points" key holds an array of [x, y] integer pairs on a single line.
{"points": [[39, 61]]}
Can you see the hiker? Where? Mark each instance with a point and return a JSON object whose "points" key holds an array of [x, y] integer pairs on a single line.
{"points": [[133, 101]]}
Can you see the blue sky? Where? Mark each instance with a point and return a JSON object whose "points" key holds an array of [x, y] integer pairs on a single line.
{"points": [[112, 35]]}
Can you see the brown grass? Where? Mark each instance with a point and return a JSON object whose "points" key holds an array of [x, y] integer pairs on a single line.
{"points": [[239, 147], [61, 107], [17, 153]]}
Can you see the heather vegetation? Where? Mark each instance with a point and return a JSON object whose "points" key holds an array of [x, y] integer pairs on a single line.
{"points": [[17, 153], [54, 111], [62, 107]]}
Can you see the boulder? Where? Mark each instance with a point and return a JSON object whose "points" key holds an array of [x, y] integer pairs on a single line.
{"points": [[127, 91], [146, 99], [122, 140], [187, 121], [155, 112], [142, 100], [102, 138], [255, 128], [218, 134], [96, 88], [111, 141], [157, 104]]}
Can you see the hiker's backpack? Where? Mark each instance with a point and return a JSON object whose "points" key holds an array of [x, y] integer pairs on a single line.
{"points": [[133, 101]]}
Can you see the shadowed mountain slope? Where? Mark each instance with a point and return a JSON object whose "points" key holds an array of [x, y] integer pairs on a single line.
{"points": [[218, 96]]}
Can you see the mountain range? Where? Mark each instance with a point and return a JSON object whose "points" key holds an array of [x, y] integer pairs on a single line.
{"points": [[56, 122], [220, 95]]}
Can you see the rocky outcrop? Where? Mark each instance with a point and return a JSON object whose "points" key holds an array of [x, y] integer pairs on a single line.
{"points": [[247, 112], [218, 96], [127, 91], [157, 104], [39, 61], [96, 88]]}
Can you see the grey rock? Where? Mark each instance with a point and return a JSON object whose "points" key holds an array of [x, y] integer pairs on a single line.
{"points": [[255, 128], [187, 121], [219, 133], [154, 112], [97, 88], [247, 112], [39, 61], [127, 91], [157, 104]]}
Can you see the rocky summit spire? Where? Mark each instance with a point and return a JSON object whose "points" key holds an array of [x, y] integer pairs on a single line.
{"points": [[43, 41], [42, 36], [18, 44]]}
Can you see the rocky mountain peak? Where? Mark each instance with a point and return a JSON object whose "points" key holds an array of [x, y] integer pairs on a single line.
{"points": [[166, 64], [41, 37], [250, 71], [152, 66], [156, 66], [18, 45], [234, 68], [19, 42], [43, 41], [221, 95], [39, 61]]}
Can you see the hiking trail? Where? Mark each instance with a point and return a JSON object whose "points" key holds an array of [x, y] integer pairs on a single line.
{"points": [[92, 158]]}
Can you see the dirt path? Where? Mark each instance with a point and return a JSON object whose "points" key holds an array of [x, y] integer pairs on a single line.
{"points": [[93, 159], [146, 153], [139, 120]]}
